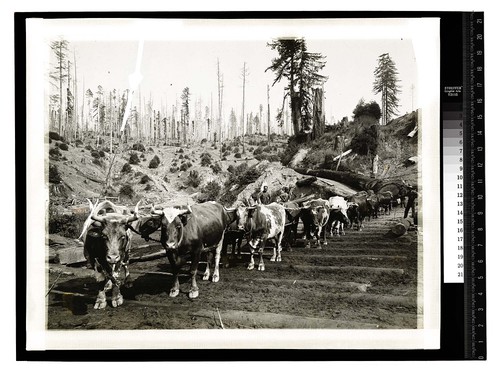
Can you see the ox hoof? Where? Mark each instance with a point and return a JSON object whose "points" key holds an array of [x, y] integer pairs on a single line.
{"points": [[206, 276], [273, 258], [250, 267], [117, 301], [193, 294], [261, 267], [100, 304], [174, 292], [278, 258], [325, 243], [308, 246], [215, 278]]}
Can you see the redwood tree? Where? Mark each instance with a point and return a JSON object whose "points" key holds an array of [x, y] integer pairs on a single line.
{"points": [[301, 69], [386, 83]]}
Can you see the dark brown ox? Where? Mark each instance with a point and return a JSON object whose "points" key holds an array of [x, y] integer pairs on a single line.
{"points": [[186, 233], [385, 201], [234, 237], [107, 239], [262, 223], [373, 204], [314, 215], [399, 191], [292, 210], [359, 209]]}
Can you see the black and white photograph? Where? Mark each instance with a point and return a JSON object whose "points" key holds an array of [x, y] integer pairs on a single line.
{"points": [[233, 183]]}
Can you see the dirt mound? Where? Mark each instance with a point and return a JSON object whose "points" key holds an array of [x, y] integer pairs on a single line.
{"points": [[397, 149]]}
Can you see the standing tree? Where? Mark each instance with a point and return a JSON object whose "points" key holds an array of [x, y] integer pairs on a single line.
{"points": [[60, 74], [256, 124], [233, 124], [261, 108], [244, 75], [70, 108], [301, 68], [386, 83], [89, 95], [185, 112], [98, 111], [220, 95]]}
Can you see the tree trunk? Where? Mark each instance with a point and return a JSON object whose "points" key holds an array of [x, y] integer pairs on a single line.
{"points": [[268, 119], [318, 115], [295, 100], [353, 180], [60, 89], [399, 228]]}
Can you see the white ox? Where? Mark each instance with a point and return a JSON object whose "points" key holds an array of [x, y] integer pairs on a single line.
{"points": [[338, 215]]}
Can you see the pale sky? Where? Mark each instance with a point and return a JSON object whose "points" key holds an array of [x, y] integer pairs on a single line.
{"points": [[185, 54]]}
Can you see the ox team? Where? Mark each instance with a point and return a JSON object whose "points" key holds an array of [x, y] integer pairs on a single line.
{"points": [[189, 231]]}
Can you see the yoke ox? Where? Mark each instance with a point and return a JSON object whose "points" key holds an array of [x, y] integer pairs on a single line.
{"points": [[353, 214], [292, 211], [314, 215], [338, 216], [373, 202], [262, 223], [399, 191], [106, 244], [234, 237], [359, 209], [186, 233], [385, 201]]}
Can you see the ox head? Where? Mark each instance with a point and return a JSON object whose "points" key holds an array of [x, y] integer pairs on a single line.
{"points": [[352, 209], [173, 220], [232, 217], [245, 215], [148, 224], [115, 234], [318, 212]]}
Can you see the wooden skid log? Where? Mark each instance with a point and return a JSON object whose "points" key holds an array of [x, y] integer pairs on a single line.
{"points": [[252, 319], [348, 268]]}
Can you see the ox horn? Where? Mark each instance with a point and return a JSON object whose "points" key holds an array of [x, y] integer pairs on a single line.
{"points": [[186, 211], [154, 211], [91, 205], [136, 208], [135, 216], [97, 218]]}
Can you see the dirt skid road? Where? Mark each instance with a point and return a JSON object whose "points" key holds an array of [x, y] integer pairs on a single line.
{"points": [[360, 280]]}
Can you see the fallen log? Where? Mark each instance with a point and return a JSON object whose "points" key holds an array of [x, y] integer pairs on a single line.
{"points": [[303, 199], [68, 255], [353, 180], [307, 181], [146, 257], [270, 320], [342, 155], [91, 178], [399, 228], [332, 284], [376, 270]]}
